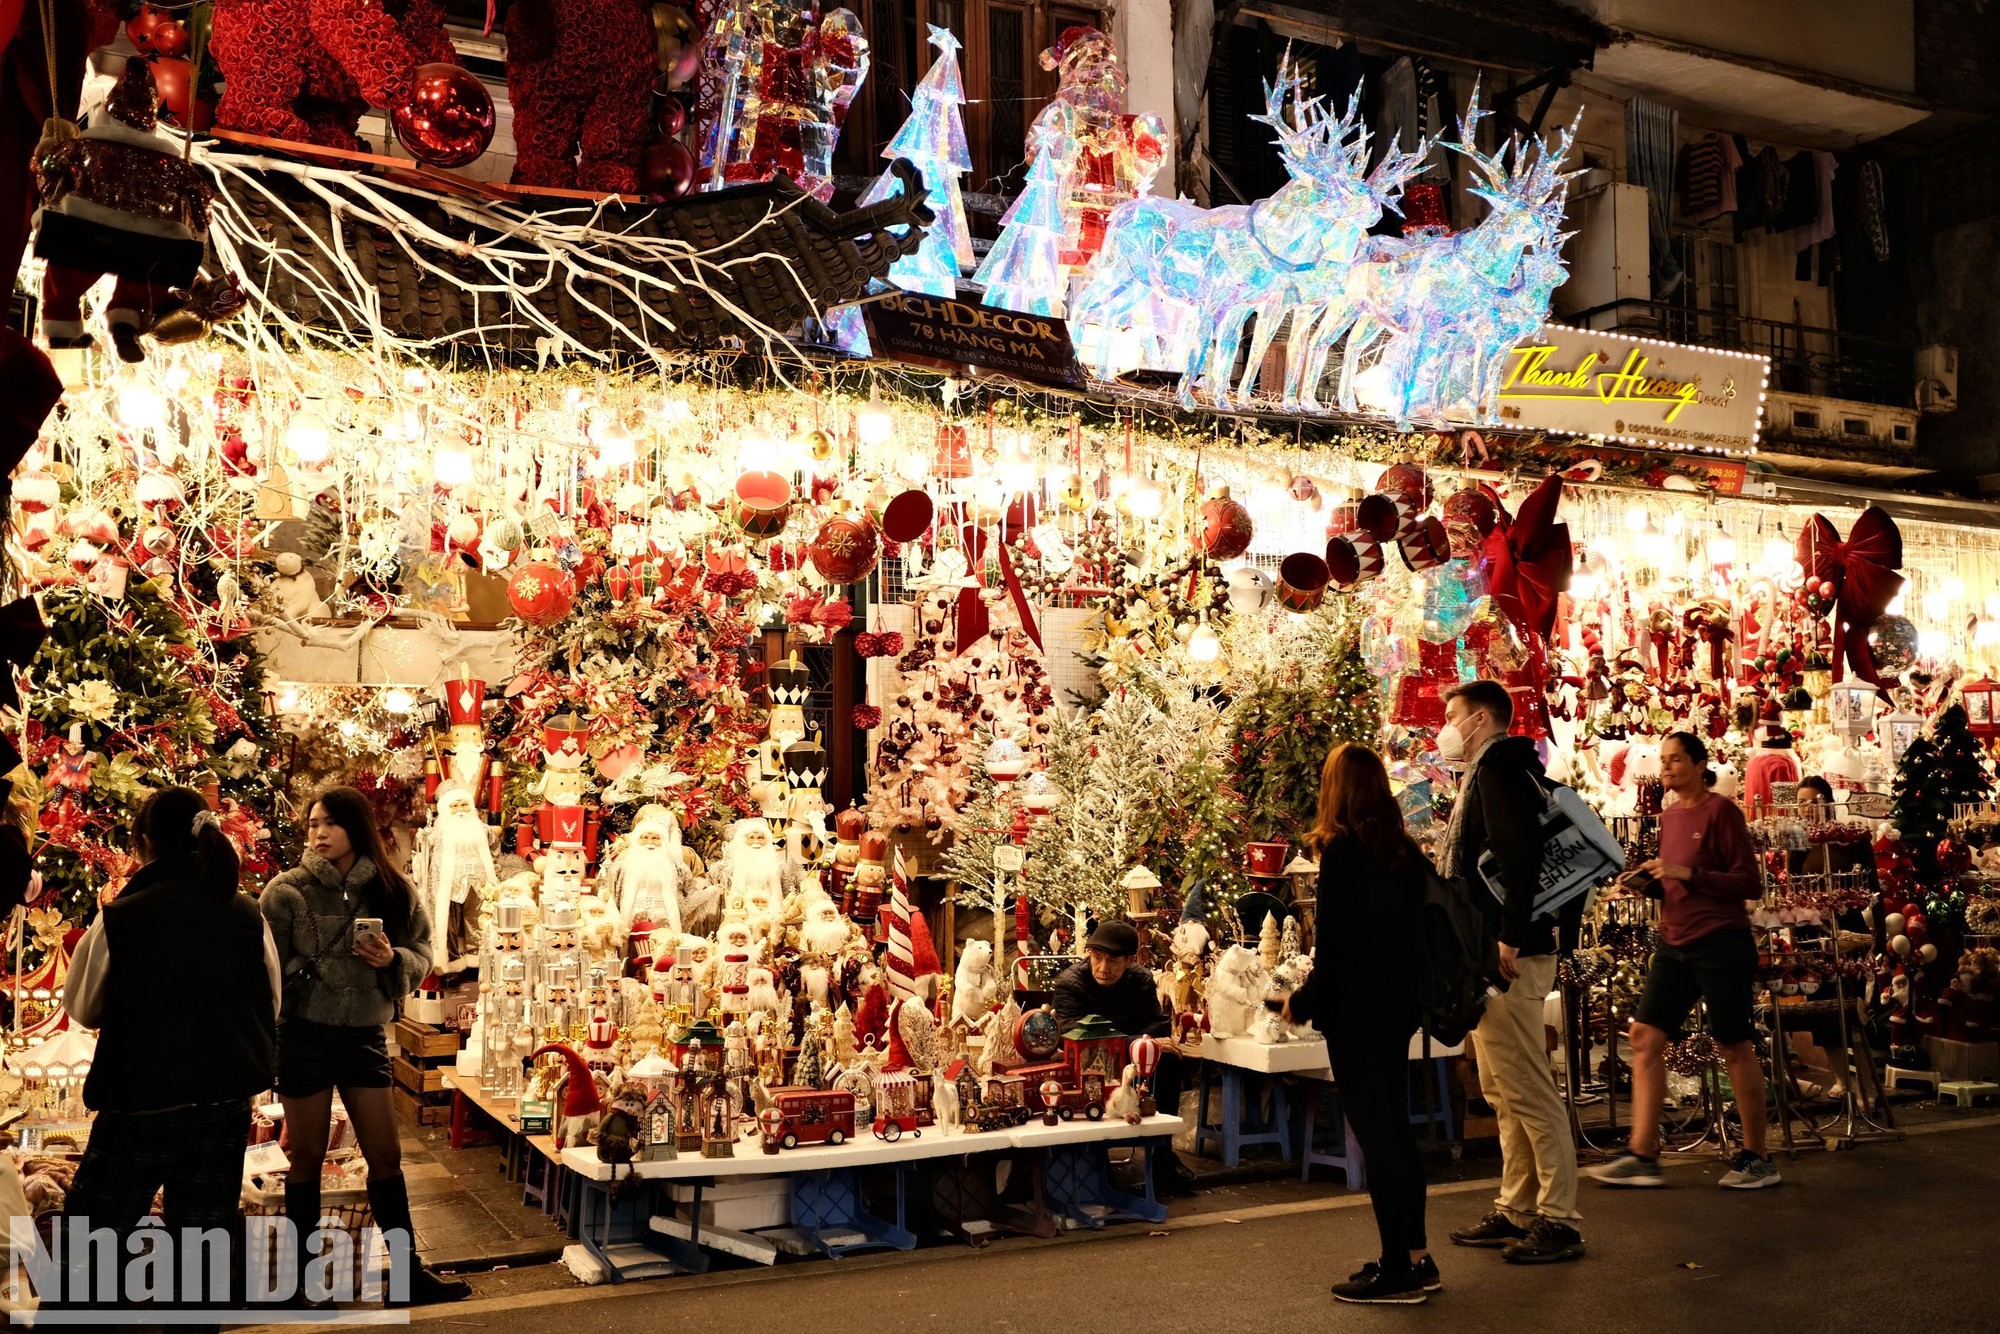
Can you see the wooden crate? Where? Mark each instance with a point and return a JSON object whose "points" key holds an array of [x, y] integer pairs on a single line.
{"points": [[424, 1079], [422, 1042], [422, 1111]]}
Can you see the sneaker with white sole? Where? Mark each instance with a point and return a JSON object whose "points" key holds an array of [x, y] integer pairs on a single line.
{"points": [[1376, 1286], [1426, 1269], [1750, 1171], [1628, 1169]]}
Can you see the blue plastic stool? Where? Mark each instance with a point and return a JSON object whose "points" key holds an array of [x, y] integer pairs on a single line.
{"points": [[1445, 1133], [1243, 1124], [1348, 1159]]}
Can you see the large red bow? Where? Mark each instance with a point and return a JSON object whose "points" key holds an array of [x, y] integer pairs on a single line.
{"points": [[1528, 560], [1862, 571]]}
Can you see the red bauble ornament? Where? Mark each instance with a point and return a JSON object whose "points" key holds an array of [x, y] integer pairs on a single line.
{"points": [[667, 169], [171, 39], [673, 117], [1471, 508], [540, 593], [448, 119], [174, 81], [142, 26], [845, 549], [1225, 527], [1406, 479]]}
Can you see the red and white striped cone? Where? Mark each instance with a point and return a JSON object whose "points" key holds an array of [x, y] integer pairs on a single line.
{"points": [[899, 965]]}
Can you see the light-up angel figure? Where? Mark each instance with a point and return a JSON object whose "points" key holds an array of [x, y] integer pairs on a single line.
{"points": [[1205, 272]]}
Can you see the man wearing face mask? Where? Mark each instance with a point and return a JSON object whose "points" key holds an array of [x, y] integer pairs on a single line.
{"points": [[1499, 807]]}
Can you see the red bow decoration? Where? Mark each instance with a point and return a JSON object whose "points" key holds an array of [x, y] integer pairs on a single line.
{"points": [[1529, 560], [1862, 571]]}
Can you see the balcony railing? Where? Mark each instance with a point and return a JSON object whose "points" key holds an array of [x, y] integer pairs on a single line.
{"points": [[1805, 359]]}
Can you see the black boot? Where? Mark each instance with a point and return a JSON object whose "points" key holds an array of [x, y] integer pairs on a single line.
{"points": [[389, 1197], [302, 1206]]}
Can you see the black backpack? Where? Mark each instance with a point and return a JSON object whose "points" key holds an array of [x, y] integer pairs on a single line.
{"points": [[1457, 959]]}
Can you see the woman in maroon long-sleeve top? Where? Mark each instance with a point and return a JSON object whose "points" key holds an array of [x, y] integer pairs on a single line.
{"points": [[1707, 871]]}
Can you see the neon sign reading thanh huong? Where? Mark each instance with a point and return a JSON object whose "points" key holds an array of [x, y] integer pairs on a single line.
{"points": [[1530, 376]]}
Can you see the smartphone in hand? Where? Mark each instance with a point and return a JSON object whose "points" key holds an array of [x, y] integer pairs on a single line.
{"points": [[367, 926]]}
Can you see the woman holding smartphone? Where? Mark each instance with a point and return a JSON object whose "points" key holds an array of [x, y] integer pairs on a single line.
{"points": [[352, 940]]}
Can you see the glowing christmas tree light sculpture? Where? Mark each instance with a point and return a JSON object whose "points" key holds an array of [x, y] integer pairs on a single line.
{"points": [[933, 138], [1024, 270]]}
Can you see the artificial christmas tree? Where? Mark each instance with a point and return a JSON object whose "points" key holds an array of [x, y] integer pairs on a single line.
{"points": [[1292, 717], [1938, 772], [1024, 270]]}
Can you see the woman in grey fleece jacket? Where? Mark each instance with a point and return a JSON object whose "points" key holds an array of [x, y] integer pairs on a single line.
{"points": [[342, 985]]}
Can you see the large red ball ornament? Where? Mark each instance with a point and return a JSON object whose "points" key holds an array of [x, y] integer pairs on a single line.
{"points": [[1225, 527], [667, 169], [174, 80], [673, 117], [540, 593], [171, 39], [1471, 508], [845, 549], [448, 119], [1406, 479], [142, 26]]}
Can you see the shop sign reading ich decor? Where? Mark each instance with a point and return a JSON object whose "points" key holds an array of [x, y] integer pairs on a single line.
{"points": [[1634, 390]]}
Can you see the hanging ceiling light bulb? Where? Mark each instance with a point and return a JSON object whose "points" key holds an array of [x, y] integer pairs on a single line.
{"points": [[1144, 500], [308, 438], [451, 464], [1204, 645], [1651, 542], [874, 426], [1721, 547], [615, 446], [398, 701], [140, 407]]}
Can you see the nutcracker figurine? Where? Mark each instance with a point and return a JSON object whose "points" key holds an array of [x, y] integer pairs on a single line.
{"points": [[790, 684], [466, 761], [562, 788]]}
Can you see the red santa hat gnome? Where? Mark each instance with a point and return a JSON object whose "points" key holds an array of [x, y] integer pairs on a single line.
{"points": [[581, 1107]]}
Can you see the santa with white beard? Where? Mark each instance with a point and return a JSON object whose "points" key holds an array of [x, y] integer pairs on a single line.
{"points": [[644, 882], [756, 875], [457, 867], [823, 937]]}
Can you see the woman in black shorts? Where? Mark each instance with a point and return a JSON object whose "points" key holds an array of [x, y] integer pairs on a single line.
{"points": [[341, 988]]}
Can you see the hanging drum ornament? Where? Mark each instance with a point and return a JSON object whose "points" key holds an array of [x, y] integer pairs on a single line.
{"points": [[540, 593], [1302, 581], [763, 503], [1353, 560], [1380, 517], [1226, 528], [1408, 480], [1428, 547], [845, 549], [908, 515]]}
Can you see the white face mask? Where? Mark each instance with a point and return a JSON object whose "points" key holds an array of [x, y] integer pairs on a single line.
{"points": [[1451, 742]]}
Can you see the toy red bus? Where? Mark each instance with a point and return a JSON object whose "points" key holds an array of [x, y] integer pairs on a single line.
{"points": [[813, 1116]]}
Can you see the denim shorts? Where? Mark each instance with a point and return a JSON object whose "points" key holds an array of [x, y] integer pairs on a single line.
{"points": [[1720, 968], [315, 1057]]}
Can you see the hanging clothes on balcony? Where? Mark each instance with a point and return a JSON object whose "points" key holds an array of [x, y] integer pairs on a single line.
{"points": [[1760, 190], [1801, 201], [1708, 178], [1650, 131]]}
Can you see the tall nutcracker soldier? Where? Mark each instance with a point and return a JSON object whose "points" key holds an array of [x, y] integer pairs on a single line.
{"points": [[562, 788], [466, 760]]}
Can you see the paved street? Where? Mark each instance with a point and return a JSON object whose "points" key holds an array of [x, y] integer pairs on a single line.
{"points": [[1896, 1228]]}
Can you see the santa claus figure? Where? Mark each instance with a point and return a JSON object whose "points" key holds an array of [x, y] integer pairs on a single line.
{"points": [[1105, 156], [457, 866], [644, 880], [736, 955], [120, 198], [756, 873], [824, 936]]}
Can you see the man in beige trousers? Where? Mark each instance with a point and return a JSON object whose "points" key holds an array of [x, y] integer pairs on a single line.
{"points": [[1500, 801]]}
